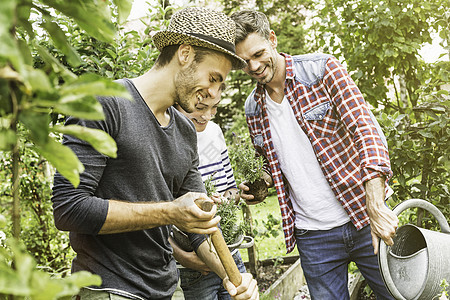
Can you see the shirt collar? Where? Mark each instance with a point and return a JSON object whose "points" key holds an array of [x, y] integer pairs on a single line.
{"points": [[289, 66], [260, 94]]}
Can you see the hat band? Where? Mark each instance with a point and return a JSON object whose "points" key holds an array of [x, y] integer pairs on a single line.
{"points": [[224, 44]]}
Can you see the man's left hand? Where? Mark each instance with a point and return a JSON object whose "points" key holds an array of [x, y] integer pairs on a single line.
{"points": [[383, 221]]}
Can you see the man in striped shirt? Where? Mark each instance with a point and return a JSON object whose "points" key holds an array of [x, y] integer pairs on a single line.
{"points": [[326, 157]]}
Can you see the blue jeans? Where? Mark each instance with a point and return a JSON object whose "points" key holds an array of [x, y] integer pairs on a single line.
{"points": [[206, 287], [325, 255]]}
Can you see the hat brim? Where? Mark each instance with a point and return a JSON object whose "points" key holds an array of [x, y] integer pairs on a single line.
{"points": [[166, 38]]}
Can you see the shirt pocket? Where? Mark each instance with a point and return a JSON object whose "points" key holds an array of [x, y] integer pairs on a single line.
{"points": [[322, 119]]}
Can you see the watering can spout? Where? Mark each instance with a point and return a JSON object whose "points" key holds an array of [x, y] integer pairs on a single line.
{"points": [[414, 267]]}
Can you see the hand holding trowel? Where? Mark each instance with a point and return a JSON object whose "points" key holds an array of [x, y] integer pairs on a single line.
{"points": [[221, 248]]}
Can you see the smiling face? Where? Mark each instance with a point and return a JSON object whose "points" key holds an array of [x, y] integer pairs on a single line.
{"points": [[203, 112], [200, 83], [261, 56]]}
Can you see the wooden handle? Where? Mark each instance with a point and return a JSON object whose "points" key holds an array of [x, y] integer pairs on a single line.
{"points": [[205, 205], [226, 258], [222, 249]]}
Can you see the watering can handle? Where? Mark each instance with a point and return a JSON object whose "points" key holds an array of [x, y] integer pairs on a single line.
{"points": [[383, 248], [427, 206]]}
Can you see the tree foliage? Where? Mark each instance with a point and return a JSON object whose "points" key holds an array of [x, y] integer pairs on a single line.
{"points": [[32, 97], [379, 41]]}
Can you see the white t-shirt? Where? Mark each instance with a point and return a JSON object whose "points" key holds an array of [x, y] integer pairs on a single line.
{"points": [[314, 203], [214, 160]]}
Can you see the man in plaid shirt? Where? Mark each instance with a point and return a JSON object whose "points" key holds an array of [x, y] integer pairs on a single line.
{"points": [[326, 157]]}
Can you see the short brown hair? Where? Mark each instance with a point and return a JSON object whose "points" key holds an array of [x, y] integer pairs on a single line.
{"points": [[250, 21]]}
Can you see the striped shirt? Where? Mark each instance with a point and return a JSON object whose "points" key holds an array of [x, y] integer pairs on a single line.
{"points": [[344, 135], [214, 161]]}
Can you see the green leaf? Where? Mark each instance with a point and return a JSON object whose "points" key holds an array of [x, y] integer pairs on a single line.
{"points": [[80, 106], [7, 139], [23, 15], [37, 123], [55, 64], [47, 288], [91, 84], [72, 284], [93, 16], [60, 41], [123, 9], [84, 278], [38, 80], [431, 114], [9, 74], [7, 15], [63, 159], [100, 140], [438, 109], [25, 52], [421, 187], [9, 50], [8, 46], [111, 53], [390, 52], [426, 134], [3, 221], [442, 92]]}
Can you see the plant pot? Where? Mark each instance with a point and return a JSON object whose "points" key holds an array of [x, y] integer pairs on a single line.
{"points": [[259, 190], [238, 243]]}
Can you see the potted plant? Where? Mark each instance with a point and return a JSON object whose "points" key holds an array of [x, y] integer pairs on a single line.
{"points": [[248, 167], [232, 230]]}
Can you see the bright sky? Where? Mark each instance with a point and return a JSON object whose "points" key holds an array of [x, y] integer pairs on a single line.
{"points": [[139, 9], [431, 52]]}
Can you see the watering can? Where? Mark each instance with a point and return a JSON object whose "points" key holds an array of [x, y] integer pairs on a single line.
{"points": [[414, 267]]}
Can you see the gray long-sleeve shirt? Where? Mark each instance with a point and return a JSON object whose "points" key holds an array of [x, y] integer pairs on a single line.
{"points": [[153, 163]]}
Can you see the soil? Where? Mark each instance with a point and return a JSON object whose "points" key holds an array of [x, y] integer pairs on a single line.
{"points": [[268, 274], [362, 294], [259, 190]]}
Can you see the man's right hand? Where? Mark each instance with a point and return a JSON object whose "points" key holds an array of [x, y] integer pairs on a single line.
{"points": [[249, 198], [248, 289], [187, 216]]}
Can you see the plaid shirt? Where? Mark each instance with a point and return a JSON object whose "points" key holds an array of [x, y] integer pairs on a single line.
{"points": [[344, 134]]}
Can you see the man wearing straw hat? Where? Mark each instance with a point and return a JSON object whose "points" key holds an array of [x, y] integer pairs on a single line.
{"points": [[120, 215]]}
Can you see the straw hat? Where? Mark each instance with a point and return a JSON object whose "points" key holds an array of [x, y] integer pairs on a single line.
{"points": [[201, 27]]}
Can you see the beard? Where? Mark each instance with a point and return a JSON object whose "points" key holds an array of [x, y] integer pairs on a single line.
{"points": [[185, 82], [269, 76], [271, 67]]}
